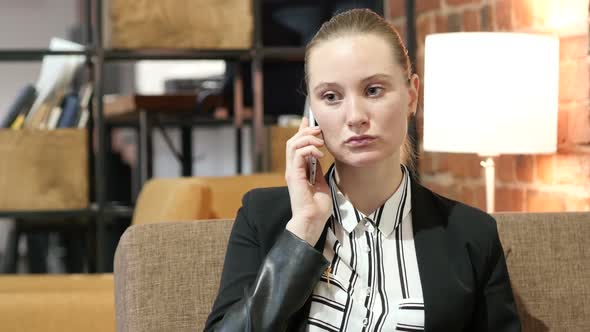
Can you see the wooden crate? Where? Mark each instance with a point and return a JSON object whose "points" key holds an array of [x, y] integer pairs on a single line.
{"points": [[43, 169], [204, 24]]}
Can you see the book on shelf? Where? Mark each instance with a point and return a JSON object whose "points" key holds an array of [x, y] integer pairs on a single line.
{"points": [[57, 72], [20, 107], [71, 110], [53, 118], [85, 96]]}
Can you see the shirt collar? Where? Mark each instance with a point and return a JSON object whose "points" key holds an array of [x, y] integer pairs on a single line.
{"points": [[387, 217]]}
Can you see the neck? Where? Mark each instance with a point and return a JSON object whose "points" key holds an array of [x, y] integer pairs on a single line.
{"points": [[368, 187]]}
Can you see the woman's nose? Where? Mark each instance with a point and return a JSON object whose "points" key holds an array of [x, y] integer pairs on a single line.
{"points": [[356, 114]]}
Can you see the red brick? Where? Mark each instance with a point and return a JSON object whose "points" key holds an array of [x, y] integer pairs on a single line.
{"points": [[437, 188], [471, 20], [523, 13], [474, 169], [454, 191], [467, 195], [579, 125], [461, 2], [479, 193], [486, 18], [428, 163], [544, 168], [577, 204], [420, 70], [444, 162], [426, 5], [457, 165], [544, 202], [442, 23], [465, 166], [525, 171], [397, 9], [573, 47], [424, 26], [572, 169], [455, 22], [574, 78], [505, 168], [503, 15], [509, 199], [562, 126]]}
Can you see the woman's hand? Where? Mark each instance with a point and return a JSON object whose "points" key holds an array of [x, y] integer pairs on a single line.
{"points": [[311, 205]]}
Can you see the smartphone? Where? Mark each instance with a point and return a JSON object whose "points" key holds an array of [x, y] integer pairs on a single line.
{"points": [[311, 160]]}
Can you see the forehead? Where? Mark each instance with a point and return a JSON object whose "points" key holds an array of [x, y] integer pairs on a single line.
{"points": [[349, 58]]}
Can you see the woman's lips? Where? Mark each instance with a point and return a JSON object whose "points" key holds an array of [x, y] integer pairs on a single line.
{"points": [[360, 141]]}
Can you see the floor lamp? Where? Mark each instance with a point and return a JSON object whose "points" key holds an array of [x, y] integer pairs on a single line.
{"points": [[490, 93]]}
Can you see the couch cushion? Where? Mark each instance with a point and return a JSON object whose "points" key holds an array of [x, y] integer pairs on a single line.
{"points": [[51, 303], [167, 275], [548, 259], [172, 199], [227, 191]]}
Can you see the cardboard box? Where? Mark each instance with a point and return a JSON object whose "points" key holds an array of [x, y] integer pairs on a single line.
{"points": [[43, 169], [203, 24]]}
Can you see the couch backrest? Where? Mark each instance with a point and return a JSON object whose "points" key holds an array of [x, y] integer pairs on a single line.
{"points": [[172, 199], [167, 275], [548, 257], [227, 191], [197, 198]]}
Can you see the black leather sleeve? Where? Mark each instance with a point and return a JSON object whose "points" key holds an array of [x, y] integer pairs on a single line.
{"points": [[261, 293]]}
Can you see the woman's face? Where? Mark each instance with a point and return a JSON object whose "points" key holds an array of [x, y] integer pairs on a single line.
{"points": [[360, 98]]}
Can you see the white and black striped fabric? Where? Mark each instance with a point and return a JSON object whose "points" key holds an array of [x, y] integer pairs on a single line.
{"points": [[375, 283]]}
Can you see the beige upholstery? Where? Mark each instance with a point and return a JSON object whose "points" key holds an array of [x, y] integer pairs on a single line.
{"points": [[52, 303], [166, 275], [548, 257]]}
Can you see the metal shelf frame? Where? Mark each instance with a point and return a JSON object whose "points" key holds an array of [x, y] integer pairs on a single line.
{"points": [[96, 57]]}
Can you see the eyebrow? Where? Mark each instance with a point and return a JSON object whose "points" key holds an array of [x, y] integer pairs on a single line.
{"points": [[370, 78]]}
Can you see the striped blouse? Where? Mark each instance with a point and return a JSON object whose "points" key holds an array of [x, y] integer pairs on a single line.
{"points": [[373, 283]]}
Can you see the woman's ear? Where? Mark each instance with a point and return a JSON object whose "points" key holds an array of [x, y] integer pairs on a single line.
{"points": [[413, 94]]}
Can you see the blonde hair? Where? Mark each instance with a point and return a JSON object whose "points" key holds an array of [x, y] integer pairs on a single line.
{"points": [[365, 21]]}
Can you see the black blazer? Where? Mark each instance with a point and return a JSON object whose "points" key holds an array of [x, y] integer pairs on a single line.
{"points": [[465, 282]]}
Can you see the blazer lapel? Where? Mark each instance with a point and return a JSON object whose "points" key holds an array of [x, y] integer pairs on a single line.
{"points": [[429, 223]]}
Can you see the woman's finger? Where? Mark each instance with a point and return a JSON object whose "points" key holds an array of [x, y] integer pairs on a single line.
{"points": [[307, 140], [294, 142], [301, 155]]}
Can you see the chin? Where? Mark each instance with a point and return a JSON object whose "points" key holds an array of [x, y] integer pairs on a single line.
{"points": [[363, 159]]}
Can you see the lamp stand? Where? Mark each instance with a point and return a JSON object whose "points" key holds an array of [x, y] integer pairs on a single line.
{"points": [[489, 167]]}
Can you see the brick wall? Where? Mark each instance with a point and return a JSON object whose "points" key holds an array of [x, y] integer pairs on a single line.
{"points": [[558, 182]]}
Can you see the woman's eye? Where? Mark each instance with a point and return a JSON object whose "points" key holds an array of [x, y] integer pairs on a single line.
{"points": [[330, 97], [374, 91]]}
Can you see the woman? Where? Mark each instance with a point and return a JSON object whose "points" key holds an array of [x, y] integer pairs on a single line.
{"points": [[365, 248]]}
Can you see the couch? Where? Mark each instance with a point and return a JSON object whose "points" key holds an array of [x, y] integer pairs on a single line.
{"points": [[166, 275], [86, 302]]}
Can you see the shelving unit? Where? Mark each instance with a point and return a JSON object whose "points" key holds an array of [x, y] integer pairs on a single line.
{"points": [[101, 211]]}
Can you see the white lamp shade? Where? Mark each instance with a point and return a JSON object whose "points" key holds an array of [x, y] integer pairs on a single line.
{"points": [[491, 93]]}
